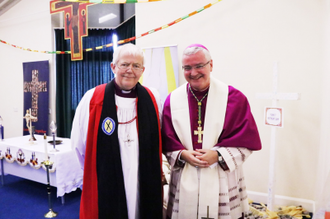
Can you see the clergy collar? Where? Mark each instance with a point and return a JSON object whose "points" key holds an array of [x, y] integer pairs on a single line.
{"points": [[125, 93], [199, 92]]}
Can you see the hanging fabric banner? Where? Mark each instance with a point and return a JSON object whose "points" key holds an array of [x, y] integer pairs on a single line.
{"points": [[75, 24], [36, 95], [161, 70]]}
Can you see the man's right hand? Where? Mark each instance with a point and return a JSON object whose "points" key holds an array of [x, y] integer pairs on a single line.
{"points": [[190, 157]]}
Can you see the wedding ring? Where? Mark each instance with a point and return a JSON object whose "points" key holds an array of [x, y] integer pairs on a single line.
{"points": [[196, 166]]}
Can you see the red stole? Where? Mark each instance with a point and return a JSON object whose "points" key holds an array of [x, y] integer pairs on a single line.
{"points": [[103, 190]]}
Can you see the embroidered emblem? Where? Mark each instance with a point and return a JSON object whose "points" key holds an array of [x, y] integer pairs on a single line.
{"points": [[20, 157], [34, 160], [8, 156], [108, 126]]}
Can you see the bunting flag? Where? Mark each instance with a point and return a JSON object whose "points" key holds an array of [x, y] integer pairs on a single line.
{"points": [[75, 24], [161, 70], [111, 1], [120, 41]]}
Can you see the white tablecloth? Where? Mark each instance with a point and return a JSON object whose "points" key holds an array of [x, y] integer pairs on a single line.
{"points": [[23, 158]]}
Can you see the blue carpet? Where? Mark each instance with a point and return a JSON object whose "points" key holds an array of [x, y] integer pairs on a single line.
{"points": [[21, 198]]}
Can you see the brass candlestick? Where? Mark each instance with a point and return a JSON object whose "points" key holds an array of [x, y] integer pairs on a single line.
{"points": [[50, 214]]}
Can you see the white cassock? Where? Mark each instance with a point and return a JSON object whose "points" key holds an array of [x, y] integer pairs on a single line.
{"points": [[128, 141]]}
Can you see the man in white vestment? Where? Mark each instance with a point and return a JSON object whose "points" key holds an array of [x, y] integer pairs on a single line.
{"points": [[116, 136], [208, 132]]}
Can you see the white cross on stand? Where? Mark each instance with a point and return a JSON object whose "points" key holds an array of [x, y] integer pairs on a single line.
{"points": [[275, 97]]}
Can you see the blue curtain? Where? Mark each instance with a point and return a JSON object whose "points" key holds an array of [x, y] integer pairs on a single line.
{"points": [[74, 78]]}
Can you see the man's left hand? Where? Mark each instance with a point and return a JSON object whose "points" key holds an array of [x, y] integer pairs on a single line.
{"points": [[209, 156]]}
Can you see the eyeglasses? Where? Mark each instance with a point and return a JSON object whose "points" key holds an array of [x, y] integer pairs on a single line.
{"points": [[196, 67], [125, 66]]}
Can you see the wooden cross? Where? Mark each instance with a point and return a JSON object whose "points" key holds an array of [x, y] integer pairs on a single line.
{"points": [[207, 217], [75, 24], [35, 87], [275, 97], [199, 132]]}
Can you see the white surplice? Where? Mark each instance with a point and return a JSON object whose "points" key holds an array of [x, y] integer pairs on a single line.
{"points": [[226, 198], [128, 141], [129, 151]]}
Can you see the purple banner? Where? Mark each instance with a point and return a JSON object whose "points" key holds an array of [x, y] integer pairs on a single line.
{"points": [[36, 95]]}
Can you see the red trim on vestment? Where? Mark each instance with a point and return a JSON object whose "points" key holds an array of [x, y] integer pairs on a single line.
{"points": [[89, 197], [159, 132]]}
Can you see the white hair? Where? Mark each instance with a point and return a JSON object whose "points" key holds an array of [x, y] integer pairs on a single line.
{"points": [[130, 49], [193, 50]]}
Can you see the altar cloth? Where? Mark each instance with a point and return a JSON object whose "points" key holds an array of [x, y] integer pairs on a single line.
{"points": [[23, 158]]}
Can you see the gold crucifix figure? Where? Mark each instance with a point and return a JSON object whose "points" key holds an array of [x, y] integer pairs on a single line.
{"points": [[199, 132]]}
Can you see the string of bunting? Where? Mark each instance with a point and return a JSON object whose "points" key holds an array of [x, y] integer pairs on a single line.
{"points": [[112, 1], [125, 40]]}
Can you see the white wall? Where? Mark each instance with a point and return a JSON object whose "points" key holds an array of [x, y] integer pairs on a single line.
{"points": [[323, 170], [27, 24], [245, 38]]}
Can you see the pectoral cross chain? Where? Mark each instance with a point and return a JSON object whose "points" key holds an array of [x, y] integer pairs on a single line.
{"points": [[199, 130]]}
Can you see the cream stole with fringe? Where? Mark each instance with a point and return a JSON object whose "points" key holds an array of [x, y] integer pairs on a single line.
{"points": [[208, 189]]}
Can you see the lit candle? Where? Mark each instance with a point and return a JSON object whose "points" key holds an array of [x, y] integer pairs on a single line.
{"points": [[45, 144]]}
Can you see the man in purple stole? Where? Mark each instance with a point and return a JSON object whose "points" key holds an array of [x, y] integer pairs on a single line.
{"points": [[116, 136], [208, 132]]}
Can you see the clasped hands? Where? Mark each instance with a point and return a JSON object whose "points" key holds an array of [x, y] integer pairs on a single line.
{"points": [[200, 158]]}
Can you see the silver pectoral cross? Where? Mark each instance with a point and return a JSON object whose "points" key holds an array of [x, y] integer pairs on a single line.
{"points": [[199, 132], [128, 140]]}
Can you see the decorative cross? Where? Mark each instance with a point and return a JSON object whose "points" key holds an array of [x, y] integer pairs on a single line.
{"points": [[199, 132], [275, 97], [128, 140], [35, 86], [207, 217], [75, 24]]}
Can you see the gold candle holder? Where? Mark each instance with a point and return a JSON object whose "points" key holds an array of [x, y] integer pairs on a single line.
{"points": [[50, 214]]}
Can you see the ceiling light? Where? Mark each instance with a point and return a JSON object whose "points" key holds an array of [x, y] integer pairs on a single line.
{"points": [[107, 17]]}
